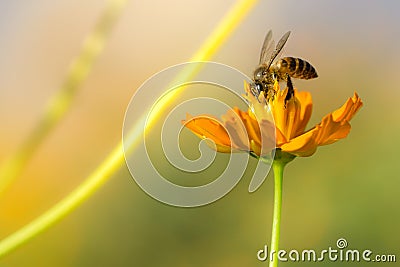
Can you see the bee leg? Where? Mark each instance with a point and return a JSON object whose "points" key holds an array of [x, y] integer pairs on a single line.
{"points": [[272, 89], [255, 89], [270, 95], [290, 92]]}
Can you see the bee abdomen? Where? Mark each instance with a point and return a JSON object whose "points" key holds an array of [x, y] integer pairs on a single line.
{"points": [[297, 68]]}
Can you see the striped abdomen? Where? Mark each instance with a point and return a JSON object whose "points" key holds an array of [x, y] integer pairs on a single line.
{"points": [[296, 68]]}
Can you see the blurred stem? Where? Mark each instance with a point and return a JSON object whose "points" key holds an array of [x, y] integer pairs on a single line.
{"points": [[66, 205], [115, 160], [278, 167], [61, 102]]}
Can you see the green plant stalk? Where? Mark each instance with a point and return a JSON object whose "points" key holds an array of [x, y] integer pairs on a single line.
{"points": [[278, 167], [67, 204], [61, 102], [116, 159]]}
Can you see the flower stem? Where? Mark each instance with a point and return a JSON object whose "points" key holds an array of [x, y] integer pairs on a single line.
{"points": [[278, 167]]}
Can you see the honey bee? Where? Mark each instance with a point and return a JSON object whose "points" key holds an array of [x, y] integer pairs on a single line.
{"points": [[272, 68]]}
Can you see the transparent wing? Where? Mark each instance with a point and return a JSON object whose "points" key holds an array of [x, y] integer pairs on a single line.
{"points": [[278, 48], [267, 48]]}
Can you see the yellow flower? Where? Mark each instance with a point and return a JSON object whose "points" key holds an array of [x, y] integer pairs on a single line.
{"points": [[243, 131]]}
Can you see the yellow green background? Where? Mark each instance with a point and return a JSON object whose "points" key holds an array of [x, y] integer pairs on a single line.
{"points": [[346, 190]]}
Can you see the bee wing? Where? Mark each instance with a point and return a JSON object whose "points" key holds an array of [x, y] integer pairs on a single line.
{"points": [[267, 48], [278, 48]]}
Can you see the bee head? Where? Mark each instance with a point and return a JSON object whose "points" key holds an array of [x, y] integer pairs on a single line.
{"points": [[259, 73]]}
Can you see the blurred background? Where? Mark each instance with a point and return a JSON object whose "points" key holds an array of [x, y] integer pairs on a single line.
{"points": [[346, 190]]}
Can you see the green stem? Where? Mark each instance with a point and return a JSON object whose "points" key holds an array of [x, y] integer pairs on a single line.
{"points": [[278, 167], [229, 22], [62, 101]]}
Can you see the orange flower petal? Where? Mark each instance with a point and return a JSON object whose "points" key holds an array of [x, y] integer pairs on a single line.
{"points": [[303, 145], [280, 138], [236, 129], [261, 134], [291, 118], [329, 130], [253, 130], [305, 101], [255, 147], [333, 127], [278, 112], [336, 125], [347, 111], [206, 126], [268, 133], [219, 147]]}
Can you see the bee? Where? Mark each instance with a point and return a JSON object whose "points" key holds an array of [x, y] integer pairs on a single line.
{"points": [[273, 69]]}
